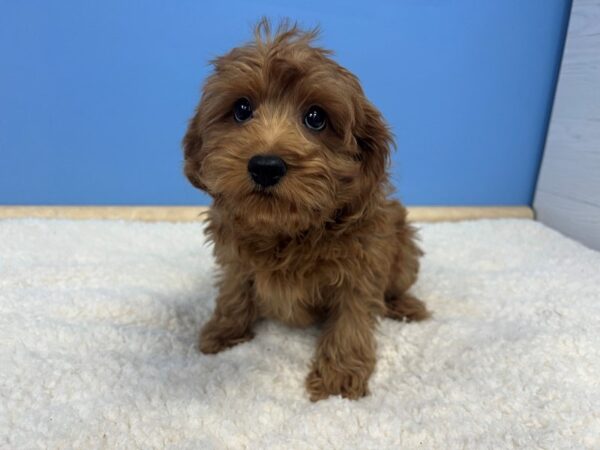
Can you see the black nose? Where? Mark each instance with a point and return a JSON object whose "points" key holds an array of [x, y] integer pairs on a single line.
{"points": [[266, 170]]}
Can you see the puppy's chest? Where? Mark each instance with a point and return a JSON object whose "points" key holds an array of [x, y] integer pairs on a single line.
{"points": [[297, 299], [294, 279], [296, 286], [300, 267]]}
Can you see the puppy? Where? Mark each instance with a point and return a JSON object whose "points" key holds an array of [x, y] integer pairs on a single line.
{"points": [[295, 159]]}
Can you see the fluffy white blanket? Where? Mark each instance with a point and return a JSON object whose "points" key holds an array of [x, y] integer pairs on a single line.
{"points": [[99, 323]]}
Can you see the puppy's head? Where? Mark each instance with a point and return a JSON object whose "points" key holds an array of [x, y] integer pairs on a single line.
{"points": [[283, 137]]}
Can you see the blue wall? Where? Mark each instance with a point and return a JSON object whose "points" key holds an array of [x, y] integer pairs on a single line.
{"points": [[94, 96]]}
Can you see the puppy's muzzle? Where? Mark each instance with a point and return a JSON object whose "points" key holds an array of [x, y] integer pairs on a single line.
{"points": [[266, 170]]}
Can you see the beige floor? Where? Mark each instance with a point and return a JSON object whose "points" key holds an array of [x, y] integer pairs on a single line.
{"points": [[190, 213]]}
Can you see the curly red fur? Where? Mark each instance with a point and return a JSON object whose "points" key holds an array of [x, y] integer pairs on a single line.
{"points": [[325, 245]]}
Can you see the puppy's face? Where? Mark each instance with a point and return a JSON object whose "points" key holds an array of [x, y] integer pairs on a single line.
{"points": [[283, 137]]}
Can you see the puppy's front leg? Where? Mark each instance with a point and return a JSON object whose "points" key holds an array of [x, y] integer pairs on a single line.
{"points": [[234, 314], [345, 356]]}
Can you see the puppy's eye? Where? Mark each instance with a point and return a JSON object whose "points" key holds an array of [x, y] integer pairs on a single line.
{"points": [[315, 118], [242, 110]]}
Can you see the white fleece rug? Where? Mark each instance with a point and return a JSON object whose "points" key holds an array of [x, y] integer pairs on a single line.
{"points": [[98, 327]]}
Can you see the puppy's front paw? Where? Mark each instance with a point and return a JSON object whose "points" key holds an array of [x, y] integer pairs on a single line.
{"points": [[214, 339], [325, 379], [406, 308]]}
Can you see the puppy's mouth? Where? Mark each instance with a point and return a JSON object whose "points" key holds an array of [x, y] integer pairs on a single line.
{"points": [[272, 200], [262, 192]]}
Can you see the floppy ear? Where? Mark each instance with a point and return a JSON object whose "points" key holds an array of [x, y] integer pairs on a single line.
{"points": [[192, 153], [374, 139]]}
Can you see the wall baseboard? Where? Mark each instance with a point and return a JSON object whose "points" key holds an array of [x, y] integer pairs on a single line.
{"points": [[191, 213]]}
